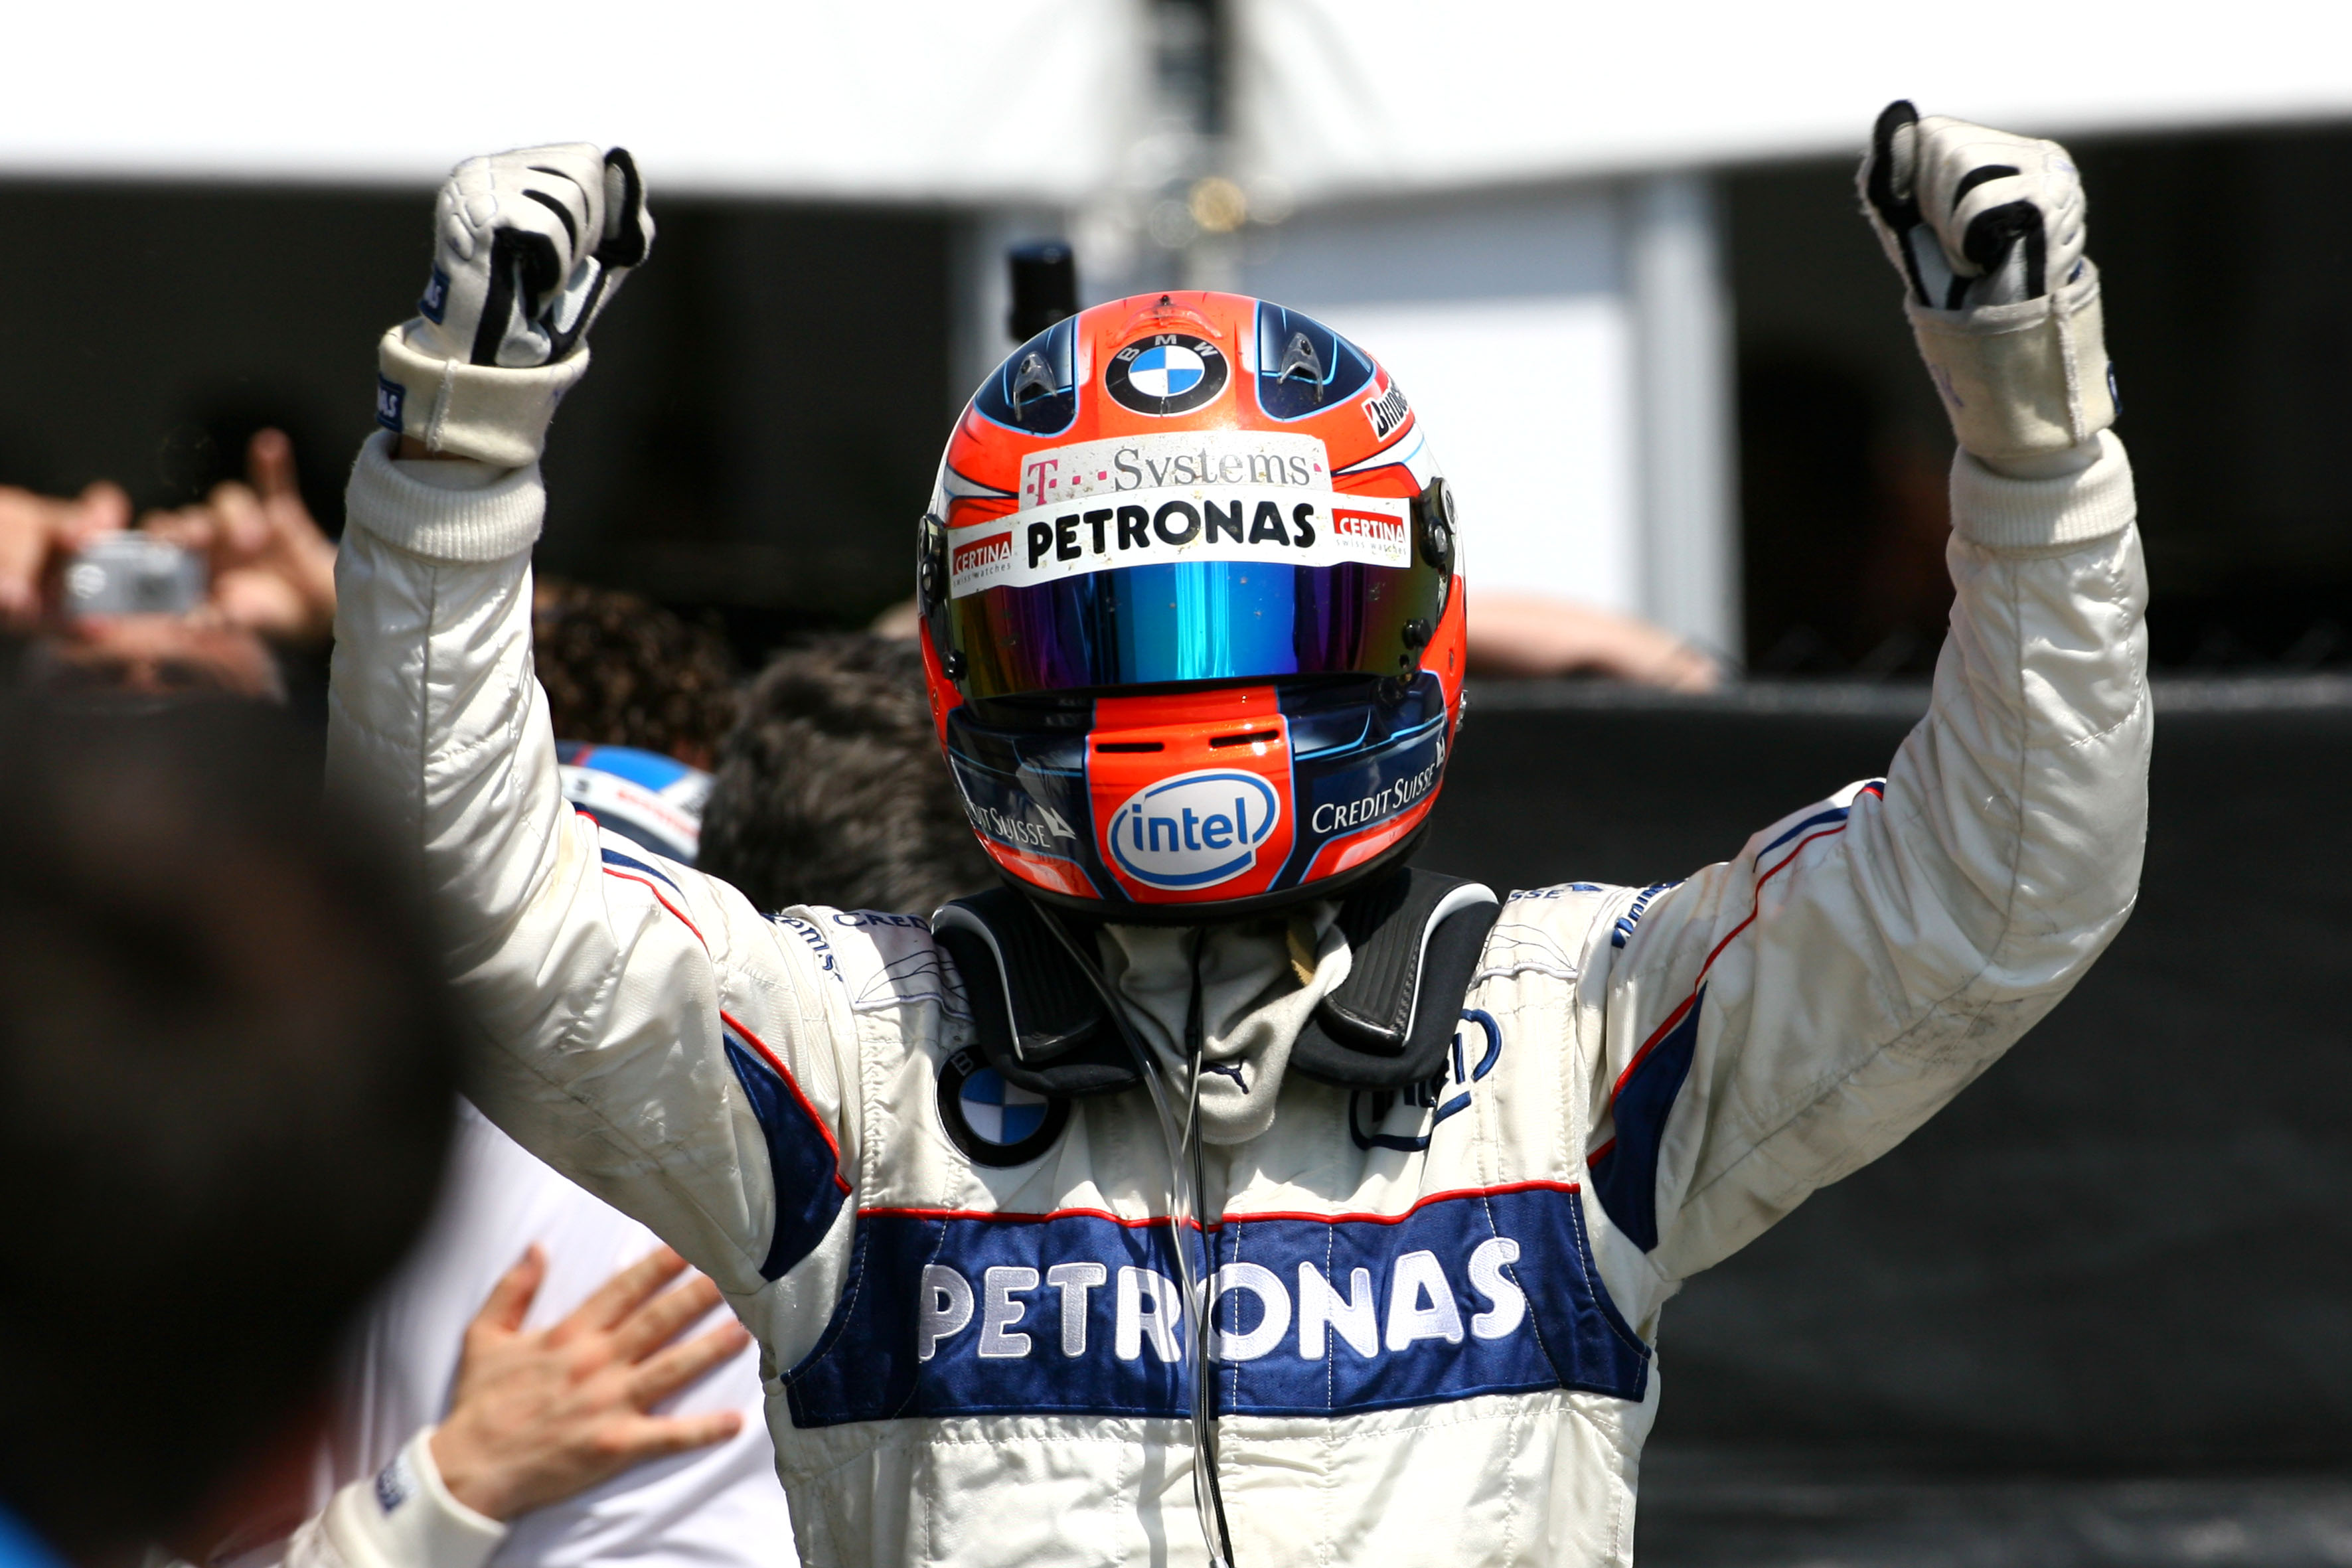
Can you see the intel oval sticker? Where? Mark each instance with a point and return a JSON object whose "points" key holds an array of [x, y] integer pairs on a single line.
{"points": [[1194, 830]]}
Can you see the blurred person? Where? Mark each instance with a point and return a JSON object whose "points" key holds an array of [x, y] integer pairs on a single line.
{"points": [[272, 568], [508, 1450], [653, 801], [413, 1400], [829, 789], [266, 570], [538, 1413], [226, 1054], [1177, 1199], [641, 697], [619, 671], [903, 619], [842, 722]]}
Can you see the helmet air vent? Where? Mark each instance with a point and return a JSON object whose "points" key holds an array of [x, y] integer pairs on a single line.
{"points": [[1300, 360]]}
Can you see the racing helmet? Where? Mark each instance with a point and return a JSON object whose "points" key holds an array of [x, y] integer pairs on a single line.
{"points": [[1192, 611]]}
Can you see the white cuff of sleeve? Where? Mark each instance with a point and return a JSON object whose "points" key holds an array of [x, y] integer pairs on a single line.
{"points": [[489, 412], [468, 513], [405, 1517], [2039, 515]]}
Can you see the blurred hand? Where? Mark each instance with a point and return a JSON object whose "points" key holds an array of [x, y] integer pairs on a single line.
{"points": [[1529, 633], [37, 533], [542, 1416], [273, 573]]}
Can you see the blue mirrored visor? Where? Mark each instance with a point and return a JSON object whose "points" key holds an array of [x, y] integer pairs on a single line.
{"points": [[1194, 621]]}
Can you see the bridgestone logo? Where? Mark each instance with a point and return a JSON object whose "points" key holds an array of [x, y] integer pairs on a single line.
{"points": [[1387, 411]]}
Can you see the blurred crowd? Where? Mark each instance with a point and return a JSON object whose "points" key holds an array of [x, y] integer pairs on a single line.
{"points": [[227, 1068]]}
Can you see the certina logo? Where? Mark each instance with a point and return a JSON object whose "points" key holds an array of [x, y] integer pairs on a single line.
{"points": [[980, 554], [1340, 816], [1387, 411], [1148, 1307], [1377, 527], [1166, 373], [1194, 830]]}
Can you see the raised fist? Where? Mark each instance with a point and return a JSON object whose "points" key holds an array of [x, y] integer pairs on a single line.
{"points": [[528, 247], [1987, 229], [1972, 216]]}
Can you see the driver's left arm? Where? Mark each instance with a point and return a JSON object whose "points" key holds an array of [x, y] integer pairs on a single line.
{"points": [[1780, 1020]]}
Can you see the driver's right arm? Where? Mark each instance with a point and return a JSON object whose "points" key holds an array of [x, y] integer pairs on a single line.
{"points": [[639, 1026]]}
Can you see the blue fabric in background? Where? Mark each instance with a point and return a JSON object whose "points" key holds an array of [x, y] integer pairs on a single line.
{"points": [[20, 1548]]}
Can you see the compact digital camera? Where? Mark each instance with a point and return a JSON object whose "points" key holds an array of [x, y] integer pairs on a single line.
{"points": [[133, 575]]}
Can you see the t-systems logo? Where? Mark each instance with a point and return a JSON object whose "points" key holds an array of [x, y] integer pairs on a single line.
{"points": [[1194, 830]]}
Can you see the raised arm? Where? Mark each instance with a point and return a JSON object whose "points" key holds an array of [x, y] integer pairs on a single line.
{"points": [[1776, 1021], [642, 1029]]}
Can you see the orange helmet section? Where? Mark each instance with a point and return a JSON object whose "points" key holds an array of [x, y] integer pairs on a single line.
{"points": [[1157, 365], [1193, 609], [1191, 794]]}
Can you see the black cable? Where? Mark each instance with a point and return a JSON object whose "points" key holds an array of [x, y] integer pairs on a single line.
{"points": [[1180, 1145], [1205, 1387]]}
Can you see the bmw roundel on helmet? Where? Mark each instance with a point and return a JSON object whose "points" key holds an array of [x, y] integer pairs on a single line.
{"points": [[1192, 611]]}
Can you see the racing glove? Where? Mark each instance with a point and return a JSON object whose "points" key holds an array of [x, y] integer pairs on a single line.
{"points": [[528, 247], [1987, 229]]}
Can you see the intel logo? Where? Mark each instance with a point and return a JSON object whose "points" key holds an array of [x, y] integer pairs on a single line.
{"points": [[1194, 830]]}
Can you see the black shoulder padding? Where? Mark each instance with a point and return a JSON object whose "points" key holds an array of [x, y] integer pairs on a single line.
{"points": [[1416, 938], [1014, 969]]}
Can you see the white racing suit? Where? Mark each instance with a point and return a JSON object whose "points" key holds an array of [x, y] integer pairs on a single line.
{"points": [[1436, 1311]]}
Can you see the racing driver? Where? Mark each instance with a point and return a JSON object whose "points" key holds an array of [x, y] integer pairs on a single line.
{"points": [[1224, 1188]]}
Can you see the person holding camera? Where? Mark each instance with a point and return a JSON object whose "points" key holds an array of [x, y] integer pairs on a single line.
{"points": [[198, 600]]}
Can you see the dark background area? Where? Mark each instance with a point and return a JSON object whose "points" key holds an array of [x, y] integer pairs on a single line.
{"points": [[765, 417], [756, 443], [2123, 1252], [2225, 259]]}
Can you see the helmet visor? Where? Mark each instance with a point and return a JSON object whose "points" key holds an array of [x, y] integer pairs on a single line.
{"points": [[1194, 620]]}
